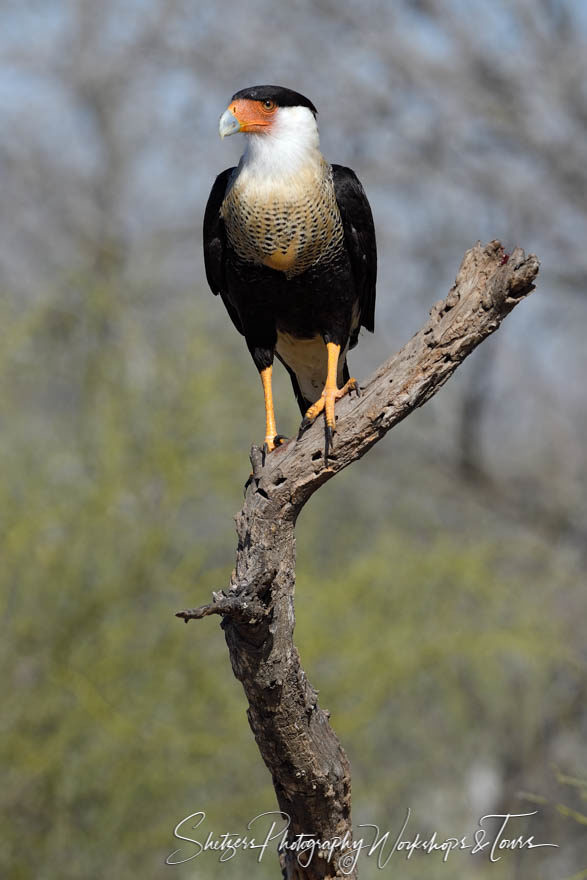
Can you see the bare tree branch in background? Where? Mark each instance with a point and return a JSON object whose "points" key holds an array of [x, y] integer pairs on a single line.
{"points": [[310, 770]]}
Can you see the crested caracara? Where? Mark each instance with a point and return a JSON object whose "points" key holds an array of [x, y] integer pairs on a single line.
{"points": [[289, 245]]}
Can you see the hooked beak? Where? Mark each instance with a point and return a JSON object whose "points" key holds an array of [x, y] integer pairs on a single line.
{"points": [[228, 124]]}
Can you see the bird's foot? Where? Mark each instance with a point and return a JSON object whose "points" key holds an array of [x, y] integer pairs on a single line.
{"points": [[272, 443], [325, 403]]}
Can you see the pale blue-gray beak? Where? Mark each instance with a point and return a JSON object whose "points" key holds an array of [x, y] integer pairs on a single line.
{"points": [[228, 124]]}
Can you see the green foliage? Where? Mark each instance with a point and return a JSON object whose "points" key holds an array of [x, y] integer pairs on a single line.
{"points": [[123, 453], [121, 720]]}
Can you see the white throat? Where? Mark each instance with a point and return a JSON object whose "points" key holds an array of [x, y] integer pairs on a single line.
{"points": [[291, 144]]}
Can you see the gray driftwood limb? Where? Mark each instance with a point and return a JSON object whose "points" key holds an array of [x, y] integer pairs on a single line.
{"points": [[310, 770]]}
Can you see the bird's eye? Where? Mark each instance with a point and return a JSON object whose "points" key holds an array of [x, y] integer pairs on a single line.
{"points": [[268, 105]]}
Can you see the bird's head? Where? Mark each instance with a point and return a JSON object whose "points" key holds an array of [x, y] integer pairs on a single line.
{"points": [[280, 125]]}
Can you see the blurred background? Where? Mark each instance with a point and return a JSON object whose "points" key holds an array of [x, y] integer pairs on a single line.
{"points": [[441, 599]]}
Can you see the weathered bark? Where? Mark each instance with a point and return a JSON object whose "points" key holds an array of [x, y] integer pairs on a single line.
{"points": [[310, 771]]}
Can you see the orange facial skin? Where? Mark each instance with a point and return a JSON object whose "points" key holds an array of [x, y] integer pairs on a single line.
{"points": [[253, 116]]}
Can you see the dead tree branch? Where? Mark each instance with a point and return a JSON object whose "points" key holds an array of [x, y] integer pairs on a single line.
{"points": [[310, 770]]}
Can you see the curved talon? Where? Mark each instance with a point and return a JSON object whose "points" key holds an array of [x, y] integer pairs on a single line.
{"points": [[268, 446], [329, 441], [304, 425], [272, 443]]}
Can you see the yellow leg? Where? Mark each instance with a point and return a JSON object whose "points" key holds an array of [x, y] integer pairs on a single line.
{"points": [[330, 394], [270, 429]]}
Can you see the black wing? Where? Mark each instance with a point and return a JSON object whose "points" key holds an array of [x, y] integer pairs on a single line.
{"points": [[359, 237], [214, 238]]}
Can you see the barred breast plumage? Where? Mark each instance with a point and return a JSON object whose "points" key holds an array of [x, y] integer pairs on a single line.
{"points": [[286, 227]]}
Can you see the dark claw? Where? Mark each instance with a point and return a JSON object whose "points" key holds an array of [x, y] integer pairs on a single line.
{"points": [[278, 440], [357, 390], [304, 426], [329, 442]]}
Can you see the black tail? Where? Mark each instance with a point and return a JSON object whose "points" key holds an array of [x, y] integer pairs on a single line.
{"points": [[303, 404]]}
